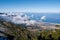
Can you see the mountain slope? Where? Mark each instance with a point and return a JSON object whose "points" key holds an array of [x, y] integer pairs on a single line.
{"points": [[18, 32]]}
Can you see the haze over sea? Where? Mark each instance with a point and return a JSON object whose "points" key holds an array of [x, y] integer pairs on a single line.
{"points": [[50, 17]]}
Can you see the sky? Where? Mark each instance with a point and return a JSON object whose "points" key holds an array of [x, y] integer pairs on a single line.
{"points": [[30, 6]]}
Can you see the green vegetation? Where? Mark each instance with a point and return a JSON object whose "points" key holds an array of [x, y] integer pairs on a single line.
{"points": [[21, 33], [49, 35]]}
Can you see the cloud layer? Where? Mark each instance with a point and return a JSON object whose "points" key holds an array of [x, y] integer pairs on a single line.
{"points": [[20, 18]]}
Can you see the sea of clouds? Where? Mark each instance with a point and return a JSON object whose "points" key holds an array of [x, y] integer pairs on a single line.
{"points": [[20, 18]]}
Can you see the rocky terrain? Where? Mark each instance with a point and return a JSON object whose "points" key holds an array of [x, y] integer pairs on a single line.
{"points": [[18, 32], [24, 29]]}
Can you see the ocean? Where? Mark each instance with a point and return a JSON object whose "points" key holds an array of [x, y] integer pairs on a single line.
{"points": [[50, 17]]}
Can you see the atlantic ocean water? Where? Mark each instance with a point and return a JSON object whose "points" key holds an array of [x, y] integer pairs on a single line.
{"points": [[50, 17]]}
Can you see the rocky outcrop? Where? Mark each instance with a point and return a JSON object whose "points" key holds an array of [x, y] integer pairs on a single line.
{"points": [[18, 32]]}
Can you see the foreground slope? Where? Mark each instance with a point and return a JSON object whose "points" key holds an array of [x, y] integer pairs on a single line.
{"points": [[18, 32]]}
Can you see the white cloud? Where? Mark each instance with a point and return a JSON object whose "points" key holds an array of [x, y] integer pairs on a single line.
{"points": [[32, 15], [43, 18], [22, 19]]}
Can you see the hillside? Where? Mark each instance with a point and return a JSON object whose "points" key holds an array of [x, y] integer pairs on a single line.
{"points": [[18, 32], [34, 30]]}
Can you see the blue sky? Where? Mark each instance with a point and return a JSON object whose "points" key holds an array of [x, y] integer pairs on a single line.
{"points": [[30, 6]]}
